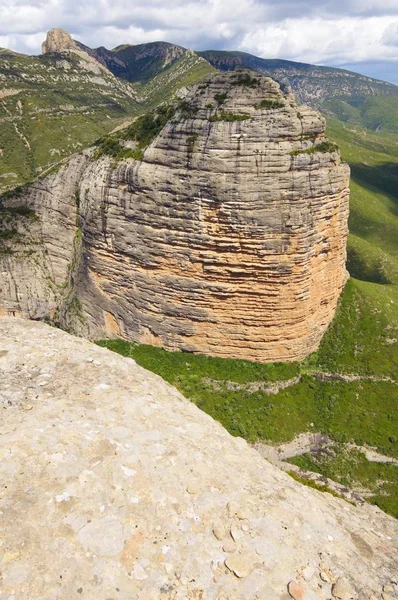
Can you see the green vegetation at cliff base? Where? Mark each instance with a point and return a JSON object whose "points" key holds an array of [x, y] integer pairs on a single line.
{"points": [[377, 482], [361, 344]]}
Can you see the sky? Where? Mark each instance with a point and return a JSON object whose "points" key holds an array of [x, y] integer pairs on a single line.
{"points": [[361, 35]]}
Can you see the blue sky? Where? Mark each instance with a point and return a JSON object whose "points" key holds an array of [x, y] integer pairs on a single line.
{"points": [[361, 35]]}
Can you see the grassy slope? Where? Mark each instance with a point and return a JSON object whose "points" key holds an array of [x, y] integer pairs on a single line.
{"points": [[187, 70], [59, 108], [279, 417], [373, 157], [373, 112], [351, 468]]}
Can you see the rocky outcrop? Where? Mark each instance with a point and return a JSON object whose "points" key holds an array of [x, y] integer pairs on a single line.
{"points": [[40, 245], [227, 238], [115, 486], [58, 41]]}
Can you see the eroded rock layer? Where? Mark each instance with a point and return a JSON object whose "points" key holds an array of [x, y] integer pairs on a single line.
{"points": [[228, 238], [115, 486]]}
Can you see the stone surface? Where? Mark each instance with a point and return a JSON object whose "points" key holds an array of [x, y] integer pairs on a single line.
{"points": [[94, 500], [222, 240], [239, 564], [296, 590], [343, 590], [58, 41]]}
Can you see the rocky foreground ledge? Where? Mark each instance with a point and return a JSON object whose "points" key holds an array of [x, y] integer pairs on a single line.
{"points": [[113, 486]]}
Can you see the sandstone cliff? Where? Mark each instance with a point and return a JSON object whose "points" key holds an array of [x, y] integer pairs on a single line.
{"points": [[58, 41], [227, 238], [115, 486]]}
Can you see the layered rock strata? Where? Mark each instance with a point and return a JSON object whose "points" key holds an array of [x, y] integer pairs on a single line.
{"points": [[40, 245], [115, 486], [227, 238]]}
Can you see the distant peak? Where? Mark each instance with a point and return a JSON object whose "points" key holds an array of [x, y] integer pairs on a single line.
{"points": [[58, 40]]}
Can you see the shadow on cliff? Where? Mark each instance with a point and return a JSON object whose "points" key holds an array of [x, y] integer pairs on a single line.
{"points": [[381, 178], [372, 263]]}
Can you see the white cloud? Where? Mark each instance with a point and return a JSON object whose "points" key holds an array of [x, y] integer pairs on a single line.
{"points": [[390, 36], [327, 41]]}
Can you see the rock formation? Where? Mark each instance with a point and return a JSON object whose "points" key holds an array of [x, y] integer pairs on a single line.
{"points": [[115, 486], [58, 41], [227, 238]]}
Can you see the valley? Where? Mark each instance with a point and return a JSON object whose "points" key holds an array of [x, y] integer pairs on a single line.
{"points": [[56, 105]]}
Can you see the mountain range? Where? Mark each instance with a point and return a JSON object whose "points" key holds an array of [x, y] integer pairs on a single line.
{"points": [[57, 103]]}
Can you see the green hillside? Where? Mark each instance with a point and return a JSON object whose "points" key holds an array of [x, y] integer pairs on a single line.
{"points": [[156, 70], [143, 62], [376, 113], [52, 106], [373, 223], [187, 70]]}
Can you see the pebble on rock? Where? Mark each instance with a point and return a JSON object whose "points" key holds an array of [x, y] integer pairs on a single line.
{"points": [[343, 590], [193, 488], [296, 590], [232, 509], [236, 533], [242, 514], [239, 565], [229, 546], [219, 532], [388, 588]]}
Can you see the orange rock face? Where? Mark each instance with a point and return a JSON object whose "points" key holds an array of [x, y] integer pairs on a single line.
{"points": [[228, 238]]}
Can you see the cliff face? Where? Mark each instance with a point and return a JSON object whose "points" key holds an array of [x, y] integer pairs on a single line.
{"points": [[58, 41], [118, 487], [228, 238], [40, 244]]}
